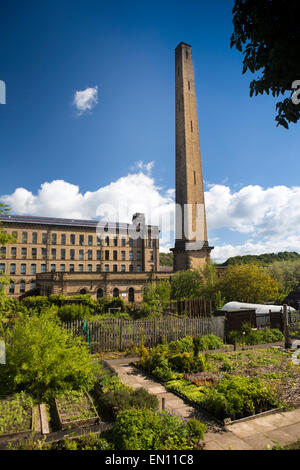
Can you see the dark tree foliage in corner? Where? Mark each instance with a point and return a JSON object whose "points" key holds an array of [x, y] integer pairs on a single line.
{"points": [[267, 32]]}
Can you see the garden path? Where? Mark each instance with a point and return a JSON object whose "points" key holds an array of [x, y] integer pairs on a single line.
{"points": [[258, 433], [135, 378]]}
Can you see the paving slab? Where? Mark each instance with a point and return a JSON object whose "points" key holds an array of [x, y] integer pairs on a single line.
{"points": [[259, 442], [156, 389], [264, 425], [242, 430], [280, 436], [293, 430], [212, 445], [232, 442], [214, 436]]}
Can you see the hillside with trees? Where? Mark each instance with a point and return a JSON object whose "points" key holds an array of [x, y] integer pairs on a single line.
{"points": [[263, 259], [166, 259]]}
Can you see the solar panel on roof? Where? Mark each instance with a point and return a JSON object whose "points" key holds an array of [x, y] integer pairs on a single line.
{"points": [[58, 221]]}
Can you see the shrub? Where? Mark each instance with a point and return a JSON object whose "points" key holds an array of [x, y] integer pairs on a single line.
{"points": [[38, 303], [187, 363], [182, 362], [272, 335], [227, 365], [116, 302], [143, 312], [249, 336], [209, 342], [196, 346], [74, 312], [43, 358], [86, 442], [57, 299], [8, 306], [117, 400], [141, 429], [238, 395], [181, 345], [163, 373], [196, 429]]}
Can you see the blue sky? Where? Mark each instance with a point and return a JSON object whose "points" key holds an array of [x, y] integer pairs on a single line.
{"points": [[125, 51]]}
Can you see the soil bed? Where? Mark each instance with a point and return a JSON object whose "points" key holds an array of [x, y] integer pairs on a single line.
{"points": [[272, 367], [271, 364], [16, 415], [76, 409]]}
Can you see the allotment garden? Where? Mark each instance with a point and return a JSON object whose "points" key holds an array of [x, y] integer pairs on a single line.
{"points": [[55, 394]]}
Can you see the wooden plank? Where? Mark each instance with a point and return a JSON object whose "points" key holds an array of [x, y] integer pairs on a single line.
{"points": [[44, 419], [37, 419]]}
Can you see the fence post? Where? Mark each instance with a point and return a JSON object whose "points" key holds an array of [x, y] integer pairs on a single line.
{"points": [[287, 339], [120, 331]]}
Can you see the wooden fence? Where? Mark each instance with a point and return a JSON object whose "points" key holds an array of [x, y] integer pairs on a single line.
{"points": [[193, 308], [119, 334]]}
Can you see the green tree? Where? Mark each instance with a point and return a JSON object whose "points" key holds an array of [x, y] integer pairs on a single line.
{"points": [[210, 285], [187, 285], [286, 273], [267, 33], [247, 283], [44, 358], [157, 295]]}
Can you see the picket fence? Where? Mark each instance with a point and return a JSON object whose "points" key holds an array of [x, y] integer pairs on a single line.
{"points": [[120, 334]]}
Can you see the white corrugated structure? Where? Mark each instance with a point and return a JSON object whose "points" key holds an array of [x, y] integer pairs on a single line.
{"points": [[259, 308]]}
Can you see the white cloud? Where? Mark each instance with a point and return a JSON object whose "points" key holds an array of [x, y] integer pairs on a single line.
{"points": [[268, 218], [143, 167], [85, 100], [253, 209], [136, 192]]}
